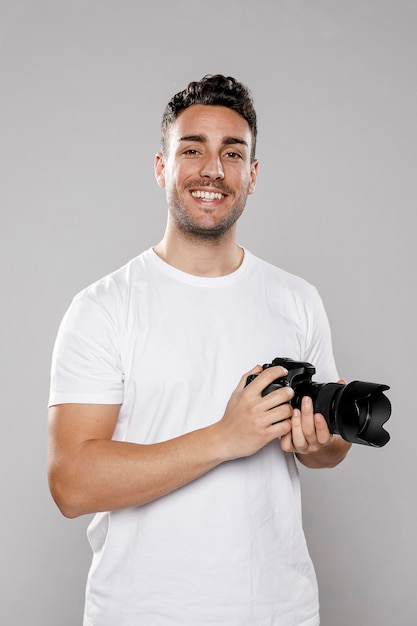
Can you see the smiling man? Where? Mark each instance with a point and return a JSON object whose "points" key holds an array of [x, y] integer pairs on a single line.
{"points": [[191, 472], [208, 172]]}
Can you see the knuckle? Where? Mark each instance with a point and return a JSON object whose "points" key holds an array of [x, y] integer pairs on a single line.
{"points": [[285, 446], [272, 374], [286, 443], [309, 432]]}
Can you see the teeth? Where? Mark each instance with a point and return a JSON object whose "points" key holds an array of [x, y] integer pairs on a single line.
{"points": [[207, 195]]}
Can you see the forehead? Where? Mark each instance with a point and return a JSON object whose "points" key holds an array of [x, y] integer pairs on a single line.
{"points": [[212, 122]]}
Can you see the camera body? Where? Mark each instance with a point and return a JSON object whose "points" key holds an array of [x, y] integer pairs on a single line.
{"points": [[355, 411]]}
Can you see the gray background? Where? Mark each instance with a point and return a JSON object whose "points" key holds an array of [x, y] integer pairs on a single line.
{"points": [[82, 86]]}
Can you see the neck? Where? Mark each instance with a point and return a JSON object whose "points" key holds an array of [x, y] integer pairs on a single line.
{"points": [[201, 257]]}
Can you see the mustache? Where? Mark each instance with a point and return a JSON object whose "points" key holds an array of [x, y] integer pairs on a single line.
{"points": [[222, 187]]}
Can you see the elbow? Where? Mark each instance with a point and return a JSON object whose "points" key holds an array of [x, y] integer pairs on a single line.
{"points": [[66, 496]]}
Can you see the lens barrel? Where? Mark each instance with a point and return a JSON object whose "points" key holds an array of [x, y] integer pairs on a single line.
{"points": [[356, 411]]}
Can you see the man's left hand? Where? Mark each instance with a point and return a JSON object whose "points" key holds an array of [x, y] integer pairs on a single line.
{"points": [[311, 440], [309, 432]]}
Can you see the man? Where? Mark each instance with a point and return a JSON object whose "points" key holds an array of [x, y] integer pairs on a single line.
{"points": [[193, 478]]}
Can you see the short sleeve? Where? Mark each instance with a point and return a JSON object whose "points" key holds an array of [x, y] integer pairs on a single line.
{"points": [[319, 349], [86, 364]]}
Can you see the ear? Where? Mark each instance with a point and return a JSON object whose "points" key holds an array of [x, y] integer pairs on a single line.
{"points": [[253, 176], [159, 169]]}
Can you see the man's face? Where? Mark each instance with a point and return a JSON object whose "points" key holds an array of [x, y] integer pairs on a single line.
{"points": [[207, 171]]}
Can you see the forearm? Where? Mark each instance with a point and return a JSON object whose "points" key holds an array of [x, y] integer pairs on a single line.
{"points": [[90, 472], [328, 456], [105, 475]]}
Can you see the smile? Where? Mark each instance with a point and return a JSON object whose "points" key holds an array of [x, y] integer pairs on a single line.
{"points": [[207, 195]]}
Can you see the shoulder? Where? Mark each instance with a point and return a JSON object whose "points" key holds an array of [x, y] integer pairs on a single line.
{"points": [[278, 277], [293, 296], [116, 286]]}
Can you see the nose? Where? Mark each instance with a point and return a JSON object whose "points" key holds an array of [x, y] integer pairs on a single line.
{"points": [[212, 167]]}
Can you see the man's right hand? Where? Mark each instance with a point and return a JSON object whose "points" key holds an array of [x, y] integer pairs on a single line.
{"points": [[251, 420]]}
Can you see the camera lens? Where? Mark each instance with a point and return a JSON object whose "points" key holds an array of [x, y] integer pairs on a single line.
{"points": [[360, 413]]}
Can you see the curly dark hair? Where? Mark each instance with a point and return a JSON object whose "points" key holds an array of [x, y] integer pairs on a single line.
{"points": [[211, 90]]}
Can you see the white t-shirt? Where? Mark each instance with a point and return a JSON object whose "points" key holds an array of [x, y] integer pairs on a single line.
{"points": [[227, 549]]}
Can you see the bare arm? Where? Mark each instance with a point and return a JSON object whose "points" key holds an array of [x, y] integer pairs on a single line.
{"points": [[89, 472]]}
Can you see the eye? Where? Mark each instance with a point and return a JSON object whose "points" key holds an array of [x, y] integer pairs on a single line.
{"points": [[191, 152], [231, 154]]}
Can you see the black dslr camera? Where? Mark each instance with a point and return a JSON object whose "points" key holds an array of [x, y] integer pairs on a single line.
{"points": [[355, 411]]}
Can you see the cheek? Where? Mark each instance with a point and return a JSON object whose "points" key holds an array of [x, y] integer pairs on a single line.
{"points": [[174, 176]]}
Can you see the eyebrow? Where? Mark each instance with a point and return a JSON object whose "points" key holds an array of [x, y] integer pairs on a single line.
{"points": [[227, 141]]}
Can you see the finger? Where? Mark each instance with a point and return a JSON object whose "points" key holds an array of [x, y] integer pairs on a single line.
{"points": [[266, 377], [278, 414], [276, 398], [323, 433], [287, 443], [307, 420], [280, 429], [255, 370], [298, 438]]}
